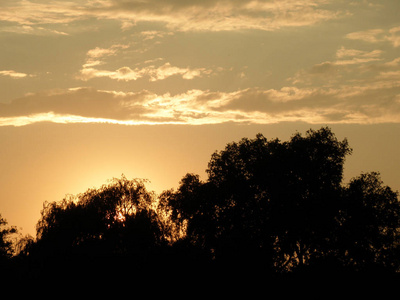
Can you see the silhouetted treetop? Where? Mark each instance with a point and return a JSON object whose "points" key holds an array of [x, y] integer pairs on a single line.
{"points": [[267, 205], [319, 154], [276, 204], [368, 237], [6, 246], [116, 220]]}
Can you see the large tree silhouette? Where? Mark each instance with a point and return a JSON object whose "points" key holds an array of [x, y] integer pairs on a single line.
{"points": [[267, 205], [282, 206]]}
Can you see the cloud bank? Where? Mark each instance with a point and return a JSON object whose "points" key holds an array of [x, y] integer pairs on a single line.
{"points": [[355, 83], [377, 102], [204, 15]]}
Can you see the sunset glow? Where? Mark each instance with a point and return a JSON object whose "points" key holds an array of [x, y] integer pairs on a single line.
{"points": [[152, 88]]}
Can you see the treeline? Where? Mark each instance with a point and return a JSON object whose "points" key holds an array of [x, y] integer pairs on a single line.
{"points": [[271, 206]]}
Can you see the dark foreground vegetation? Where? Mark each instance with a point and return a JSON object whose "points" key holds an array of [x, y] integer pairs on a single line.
{"points": [[271, 207]]}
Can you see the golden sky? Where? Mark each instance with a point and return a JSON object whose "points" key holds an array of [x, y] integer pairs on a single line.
{"points": [[91, 89]]}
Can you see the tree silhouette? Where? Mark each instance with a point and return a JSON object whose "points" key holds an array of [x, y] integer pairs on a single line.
{"points": [[109, 228], [368, 237], [308, 198], [282, 206], [267, 205], [6, 248], [6, 245]]}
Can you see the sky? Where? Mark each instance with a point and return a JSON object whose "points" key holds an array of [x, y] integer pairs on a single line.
{"points": [[92, 89]]}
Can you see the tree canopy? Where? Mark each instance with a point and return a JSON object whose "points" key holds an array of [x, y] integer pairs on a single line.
{"points": [[6, 249], [280, 207]]}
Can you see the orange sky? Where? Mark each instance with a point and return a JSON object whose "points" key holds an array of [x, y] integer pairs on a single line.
{"points": [[91, 89], [44, 162]]}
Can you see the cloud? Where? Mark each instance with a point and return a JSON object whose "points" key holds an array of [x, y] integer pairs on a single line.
{"points": [[371, 36], [348, 61], [377, 35], [394, 63], [152, 72], [152, 34], [373, 101], [394, 36], [78, 101], [178, 15], [97, 56], [14, 74], [357, 56], [94, 56], [218, 15], [34, 30], [34, 12], [39, 17], [343, 52], [100, 52], [72, 119]]}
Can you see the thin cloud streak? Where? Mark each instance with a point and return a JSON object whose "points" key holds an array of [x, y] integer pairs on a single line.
{"points": [[13, 74], [71, 119]]}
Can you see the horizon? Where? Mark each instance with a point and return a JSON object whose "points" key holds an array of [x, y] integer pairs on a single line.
{"points": [[92, 89]]}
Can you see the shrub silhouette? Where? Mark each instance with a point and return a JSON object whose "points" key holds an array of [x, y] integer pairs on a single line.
{"points": [[267, 205]]}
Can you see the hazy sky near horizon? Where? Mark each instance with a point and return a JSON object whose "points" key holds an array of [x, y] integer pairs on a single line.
{"points": [[91, 89]]}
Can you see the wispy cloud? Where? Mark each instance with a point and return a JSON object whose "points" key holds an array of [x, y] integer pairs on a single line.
{"points": [[375, 101], [218, 15], [14, 74], [377, 35], [210, 15], [394, 36], [38, 17], [349, 61], [344, 52], [27, 12], [151, 72], [371, 35], [356, 56], [97, 56]]}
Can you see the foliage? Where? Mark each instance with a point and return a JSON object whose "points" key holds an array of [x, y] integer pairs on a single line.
{"points": [[267, 202], [104, 226], [6, 245], [267, 205], [369, 233]]}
